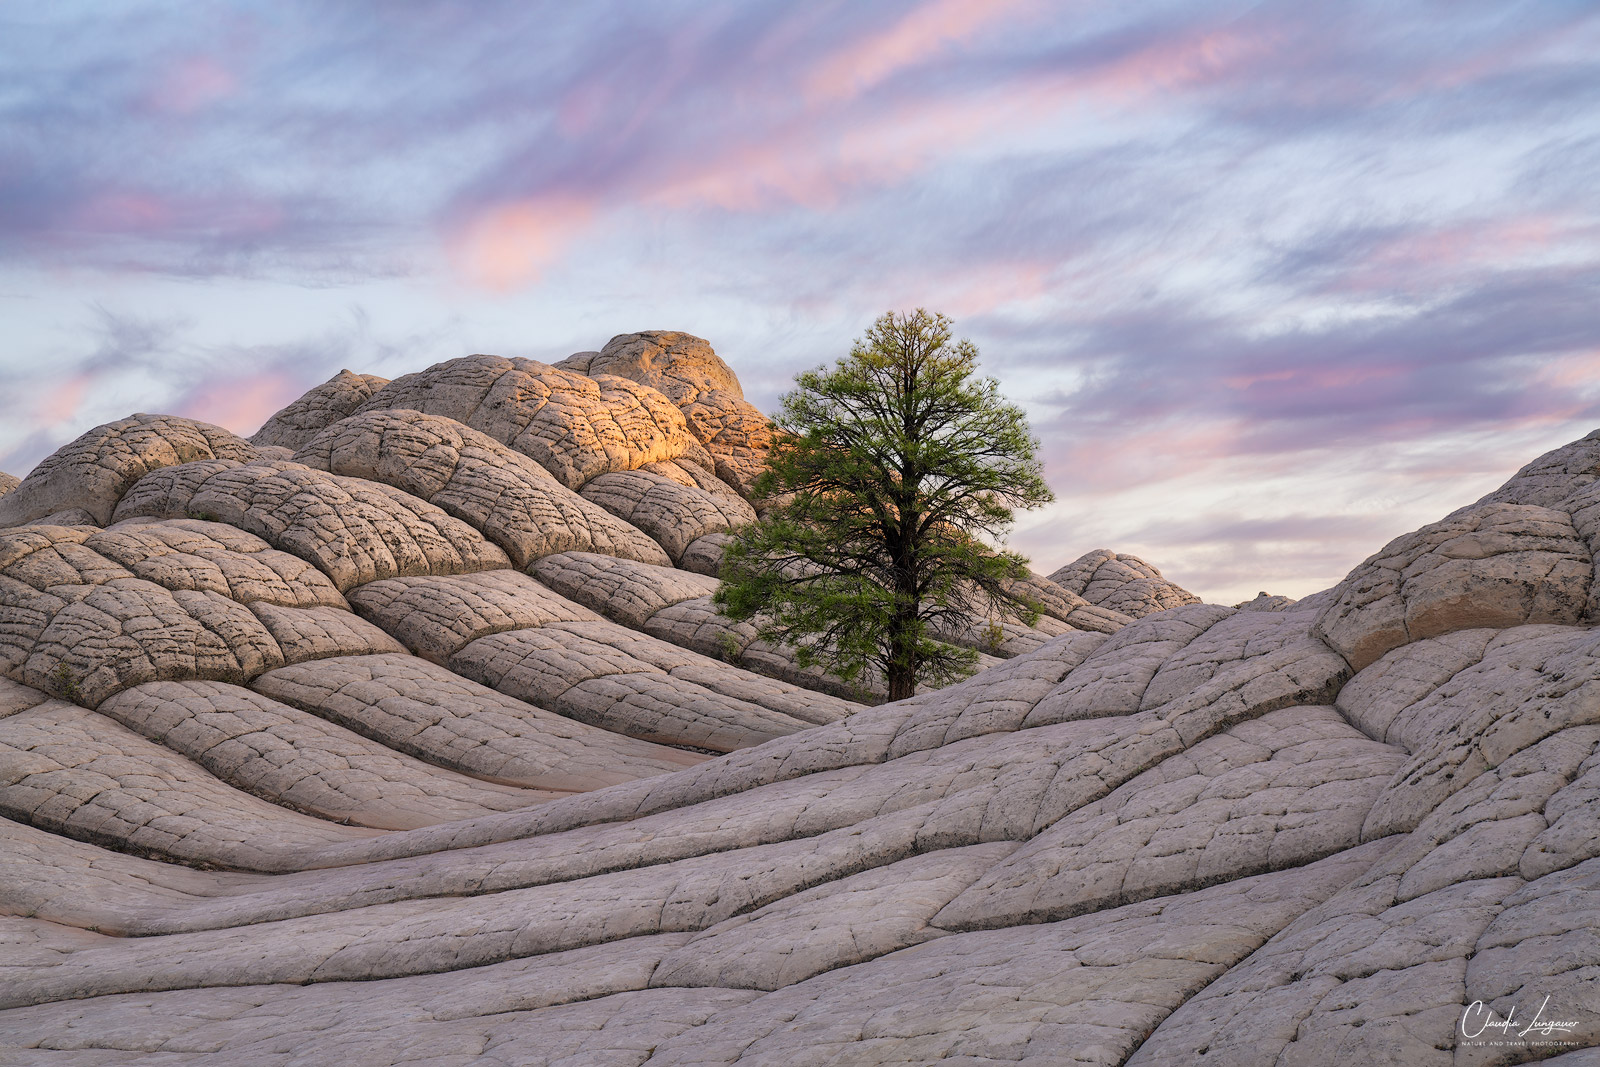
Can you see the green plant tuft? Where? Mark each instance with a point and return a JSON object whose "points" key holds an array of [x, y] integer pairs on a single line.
{"points": [[66, 682]]}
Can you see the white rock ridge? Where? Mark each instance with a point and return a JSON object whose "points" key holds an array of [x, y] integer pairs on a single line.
{"points": [[407, 732]]}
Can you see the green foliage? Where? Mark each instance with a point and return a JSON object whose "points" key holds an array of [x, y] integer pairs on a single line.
{"points": [[893, 472], [66, 682], [994, 635]]}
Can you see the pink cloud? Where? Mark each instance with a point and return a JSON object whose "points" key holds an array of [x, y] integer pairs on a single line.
{"points": [[1410, 258], [817, 157], [137, 212], [584, 106], [1110, 462], [240, 404], [1311, 379], [812, 163], [804, 166], [815, 165], [1575, 371], [978, 289], [191, 85], [1470, 243], [61, 403], [124, 212], [918, 37], [505, 245], [1196, 59], [1510, 52]]}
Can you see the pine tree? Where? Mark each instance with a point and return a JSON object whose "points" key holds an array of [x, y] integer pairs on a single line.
{"points": [[892, 473]]}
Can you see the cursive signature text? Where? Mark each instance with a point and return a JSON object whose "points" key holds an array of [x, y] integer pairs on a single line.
{"points": [[1479, 1017]]}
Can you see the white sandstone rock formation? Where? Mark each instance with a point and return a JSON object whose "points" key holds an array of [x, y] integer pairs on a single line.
{"points": [[692, 376], [1121, 583], [407, 732]]}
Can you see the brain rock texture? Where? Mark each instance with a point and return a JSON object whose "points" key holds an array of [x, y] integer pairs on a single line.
{"points": [[407, 732]]}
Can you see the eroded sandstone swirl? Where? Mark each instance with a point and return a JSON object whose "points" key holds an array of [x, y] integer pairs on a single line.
{"points": [[408, 733]]}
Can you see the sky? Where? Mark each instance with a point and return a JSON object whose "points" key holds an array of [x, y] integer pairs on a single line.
{"points": [[1274, 282]]}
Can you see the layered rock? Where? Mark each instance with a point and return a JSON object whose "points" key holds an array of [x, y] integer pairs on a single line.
{"points": [[427, 744], [676, 515], [574, 426], [93, 472], [1121, 583], [353, 530], [80, 626], [415, 707], [260, 746], [692, 376], [511, 499], [1062, 604], [1490, 565]]}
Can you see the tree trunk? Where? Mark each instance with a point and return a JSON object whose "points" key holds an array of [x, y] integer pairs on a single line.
{"points": [[902, 666], [902, 680]]}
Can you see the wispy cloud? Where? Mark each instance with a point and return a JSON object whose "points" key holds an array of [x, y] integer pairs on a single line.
{"points": [[132, 362], [927, 32], [1213, 247]]}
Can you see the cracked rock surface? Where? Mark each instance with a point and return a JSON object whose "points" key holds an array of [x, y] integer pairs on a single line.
{"points": [[179, 554], [1121, 583], [436, 617], [1493, 565], [423, 743], [574, 426], [688, 372], [260, 746], [676, 515], [78, 773], [93, 472], [595, 678], [323, 406], [352, 530], [506, 495], [414, 706]]}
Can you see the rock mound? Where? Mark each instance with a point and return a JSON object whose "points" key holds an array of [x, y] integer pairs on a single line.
{"points": [[90, 475], [323, 406], [1121, 583], [515, 502], [574, 426], [682, 366], [686, 370], [427, 745]]}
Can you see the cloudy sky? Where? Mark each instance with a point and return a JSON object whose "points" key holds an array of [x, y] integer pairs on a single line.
{"points": [[1274, 281]]}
